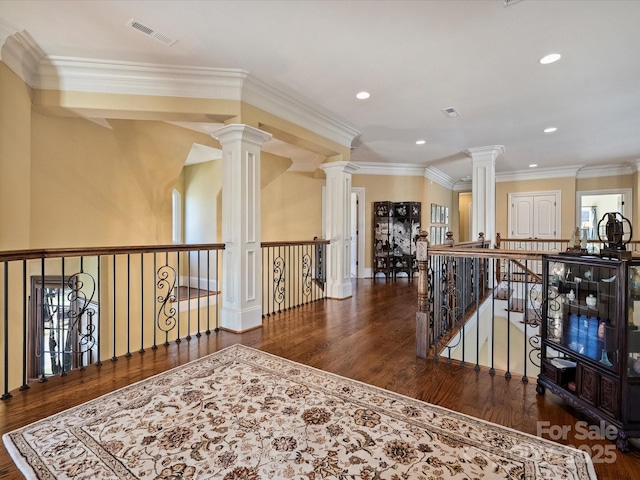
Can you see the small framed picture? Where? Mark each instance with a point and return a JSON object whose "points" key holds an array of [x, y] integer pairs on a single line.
{"points": [[433, 213], [433, 236], [446, 215], [438, 214]]}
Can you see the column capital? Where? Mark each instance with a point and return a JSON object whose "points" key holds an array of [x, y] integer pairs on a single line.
{"points": [[339, 167], [239, 131], [489, 152]]}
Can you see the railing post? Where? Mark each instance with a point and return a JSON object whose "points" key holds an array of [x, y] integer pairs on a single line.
{"points": [[422, 320]]}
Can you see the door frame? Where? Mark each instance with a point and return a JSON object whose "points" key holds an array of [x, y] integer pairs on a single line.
{"points": [[359, 191], [558, 198], [627, 198]]}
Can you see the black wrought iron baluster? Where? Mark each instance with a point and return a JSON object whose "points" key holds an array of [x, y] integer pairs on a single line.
{"points": [[6, 393], [430, 310], [462, 295], [208, 331], [62, 344], [306, 275], [128, 354], [99, 342], [141, 303], [198, 334], [114, 358], [25, 306], [526, 318], [278, 280], [188, 337], [218, 297], [476, 276], [290, 278], [508, 374], [177, 297], [41, 339], [492, 369], [155, 302], [166, 280], [80, 341]]}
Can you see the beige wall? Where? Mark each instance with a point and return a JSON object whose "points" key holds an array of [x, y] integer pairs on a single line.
{"points": [[464, 217], [567, 187], [291, 201], [94, 186], [15, 161], [203, 202]]}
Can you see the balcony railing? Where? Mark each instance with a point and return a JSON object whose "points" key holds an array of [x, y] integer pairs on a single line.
{"points": [[481, 306], [293, 274], [68, 308]]}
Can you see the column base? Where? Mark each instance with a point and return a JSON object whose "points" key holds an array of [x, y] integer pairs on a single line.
{"points": [[339, 290], [239, 321]]}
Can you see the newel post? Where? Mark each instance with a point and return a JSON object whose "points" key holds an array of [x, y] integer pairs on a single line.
{"points": [[422, 315]]}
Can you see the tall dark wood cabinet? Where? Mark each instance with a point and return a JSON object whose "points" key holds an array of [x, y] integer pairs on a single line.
{"points": [[590, 351], [395, 230]]}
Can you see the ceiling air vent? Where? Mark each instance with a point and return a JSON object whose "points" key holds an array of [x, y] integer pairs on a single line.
{"points": [[450, 112], [510, 2], [161, 37]]}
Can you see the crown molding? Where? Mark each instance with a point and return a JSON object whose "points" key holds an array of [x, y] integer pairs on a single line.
{"points": [[439, 177], [107, 76], [62, 73], [397, 169], [290, 106], [610, 171], [331, 168], [21, 54], [538, 174]]}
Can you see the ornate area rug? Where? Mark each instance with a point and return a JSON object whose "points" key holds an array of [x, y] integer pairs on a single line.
{"points": [[244, 414]]}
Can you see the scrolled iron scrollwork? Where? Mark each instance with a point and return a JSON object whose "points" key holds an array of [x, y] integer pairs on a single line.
{"points": [[279, 280], [81, 335], [306, 275], [166, 318]]}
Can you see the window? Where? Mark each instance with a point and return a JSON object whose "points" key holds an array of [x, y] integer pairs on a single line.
{"points": [[176, 202]]}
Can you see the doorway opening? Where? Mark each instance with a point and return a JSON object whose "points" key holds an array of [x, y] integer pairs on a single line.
{"points": [[592, 205]]}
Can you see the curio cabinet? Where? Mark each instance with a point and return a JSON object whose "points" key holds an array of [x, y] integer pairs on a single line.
{"points": [[590, 349]]}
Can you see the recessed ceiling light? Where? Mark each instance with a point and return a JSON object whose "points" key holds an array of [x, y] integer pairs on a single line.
{"points": [[550, 129], [420, 142], [533, 165], [363, 95], [552, 57]]}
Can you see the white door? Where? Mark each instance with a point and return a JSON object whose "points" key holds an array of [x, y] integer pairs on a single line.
{"points": [[534, 215]]}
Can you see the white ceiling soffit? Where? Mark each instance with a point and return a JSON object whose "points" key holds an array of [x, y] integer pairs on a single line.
{"points": [[202, 153], [302, 160]]}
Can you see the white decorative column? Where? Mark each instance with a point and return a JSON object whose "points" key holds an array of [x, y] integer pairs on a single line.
{"points": [[241, 266], [338, 227], [483, 193]]}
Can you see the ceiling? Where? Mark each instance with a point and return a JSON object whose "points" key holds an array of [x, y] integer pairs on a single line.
{"points": [[414, 57]]}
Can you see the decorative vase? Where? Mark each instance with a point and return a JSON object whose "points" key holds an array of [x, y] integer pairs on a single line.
{"points": [[604, 359], [571, 295], [591, 300]]}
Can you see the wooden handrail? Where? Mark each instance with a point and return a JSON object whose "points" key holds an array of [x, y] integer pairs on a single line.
{"points": [[95, 251], [295, 242]]}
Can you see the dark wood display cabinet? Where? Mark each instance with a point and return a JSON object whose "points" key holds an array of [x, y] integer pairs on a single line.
{"points": [[395, 231], [590, 349]]}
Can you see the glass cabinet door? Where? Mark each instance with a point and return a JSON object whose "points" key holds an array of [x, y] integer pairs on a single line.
{"points": [[582, 310]]}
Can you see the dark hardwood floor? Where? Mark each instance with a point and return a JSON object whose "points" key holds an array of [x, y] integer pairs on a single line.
{"points": [[369, 337]]}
